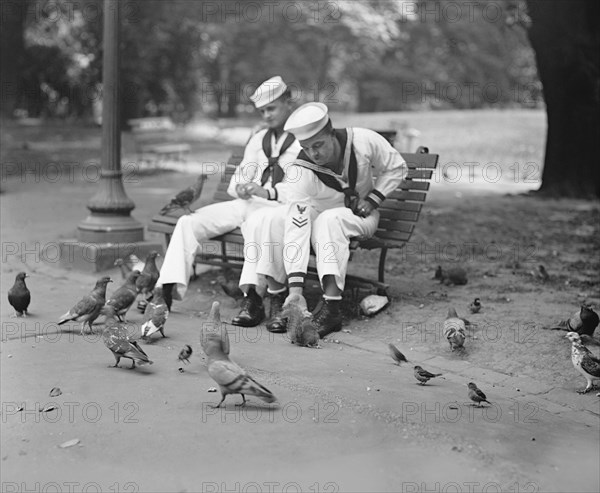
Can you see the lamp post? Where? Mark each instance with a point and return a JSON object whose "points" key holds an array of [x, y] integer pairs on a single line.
{"points": [[109, 232]]}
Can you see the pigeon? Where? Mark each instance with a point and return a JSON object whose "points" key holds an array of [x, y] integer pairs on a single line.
{"points": [[155, 315], [423, 376], [19, 296], [397, 356], [125, 295], [134, 262], [455, 275], [454, 329], [477, 395], [147, 280], [124, 267], [584, 321], [231, 378], [475, 306], [232, 289], [185, 353], [300, 326], [185, 198], [117, 339], [88, 308], [584, 361]]}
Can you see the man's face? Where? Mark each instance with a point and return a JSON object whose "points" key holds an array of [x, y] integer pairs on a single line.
{"points": [[276, 113], [320, 148]]}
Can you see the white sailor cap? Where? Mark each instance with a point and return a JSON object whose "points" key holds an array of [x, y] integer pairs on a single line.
{"points": [[307, 121], [268, 91]]}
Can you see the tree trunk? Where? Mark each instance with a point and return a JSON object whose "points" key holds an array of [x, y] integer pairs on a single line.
{"points": [[13, 43], [566, 43]]}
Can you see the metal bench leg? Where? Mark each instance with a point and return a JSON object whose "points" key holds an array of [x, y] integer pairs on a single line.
{"points": [[382, 256]]}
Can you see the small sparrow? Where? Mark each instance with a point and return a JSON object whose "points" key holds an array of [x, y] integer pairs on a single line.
{"points": [[397, 356], [477, 395], [423, 376], [584, 362], [185, 353], [542, 273], [475, 306]]}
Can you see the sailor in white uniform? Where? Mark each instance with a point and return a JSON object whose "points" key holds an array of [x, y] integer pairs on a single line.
{"points": [[254, 186]]}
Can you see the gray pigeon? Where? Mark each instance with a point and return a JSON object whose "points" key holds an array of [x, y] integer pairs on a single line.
{"points": [[19, 296], [300, 326], [88, 308], [185, 198], [147, 280], [454, 330], [125, 295], [231, 378], [156, 314], [117, 339]]}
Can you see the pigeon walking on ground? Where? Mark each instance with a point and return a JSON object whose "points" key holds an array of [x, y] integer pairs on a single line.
{"points": [[19, 296], [397, 356], [125, 295], [185, 353], [453, 276], [124, 267], [454, 330], [117, 339], [475, 306], [584, 321], [477, 395], [185, 198], [155, 315], [88, 308], [146, 281], [584, 361], [231, 378], [300, 326], [423, 376]]}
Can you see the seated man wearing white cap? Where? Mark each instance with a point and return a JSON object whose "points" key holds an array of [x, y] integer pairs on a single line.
{"points": [[340, 178], [254, 186]]}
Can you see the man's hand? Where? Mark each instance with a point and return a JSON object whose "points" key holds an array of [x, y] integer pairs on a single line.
{"points": [[255, 189], [242, 192], [364, 208]]}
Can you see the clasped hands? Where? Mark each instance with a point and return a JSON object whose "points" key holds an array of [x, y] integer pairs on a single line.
{"points": [[247, 190]]}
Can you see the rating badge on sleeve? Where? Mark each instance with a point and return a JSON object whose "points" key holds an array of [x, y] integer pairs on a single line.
{"points": [[300, 220]]}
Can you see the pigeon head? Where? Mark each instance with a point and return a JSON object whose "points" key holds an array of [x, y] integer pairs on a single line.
{"points": [[132, 277], [471, 385], [573, 337], [103, 281], [152, 254], [21, 276]]}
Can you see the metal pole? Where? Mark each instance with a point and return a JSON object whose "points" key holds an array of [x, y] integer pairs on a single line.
{"points": [[110, 220]]}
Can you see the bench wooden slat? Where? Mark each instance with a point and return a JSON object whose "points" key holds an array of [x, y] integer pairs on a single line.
{"points": [[396, 215], [394, 205], [414, 185], [400, 236], [385, 225], [420, 160], [403, 195], [424, 174]]}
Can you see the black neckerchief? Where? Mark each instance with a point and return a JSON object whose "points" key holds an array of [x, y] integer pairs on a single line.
{"points": [[273, 168], [327, 176]]}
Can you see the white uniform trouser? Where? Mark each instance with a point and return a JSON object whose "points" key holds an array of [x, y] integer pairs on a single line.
{"points": [[192, 230], [277, 241], [331, 233]]}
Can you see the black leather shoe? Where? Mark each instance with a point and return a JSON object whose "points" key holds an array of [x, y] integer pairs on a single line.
{"points": [[252, 312], [329, 318], [277, 323]]}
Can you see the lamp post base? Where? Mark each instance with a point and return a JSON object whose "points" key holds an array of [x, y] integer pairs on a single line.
{"points": [[97, 257]]}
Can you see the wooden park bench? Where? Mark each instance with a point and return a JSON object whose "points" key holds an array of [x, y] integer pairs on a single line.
{"points": [[154, 140], [399, 214]]}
